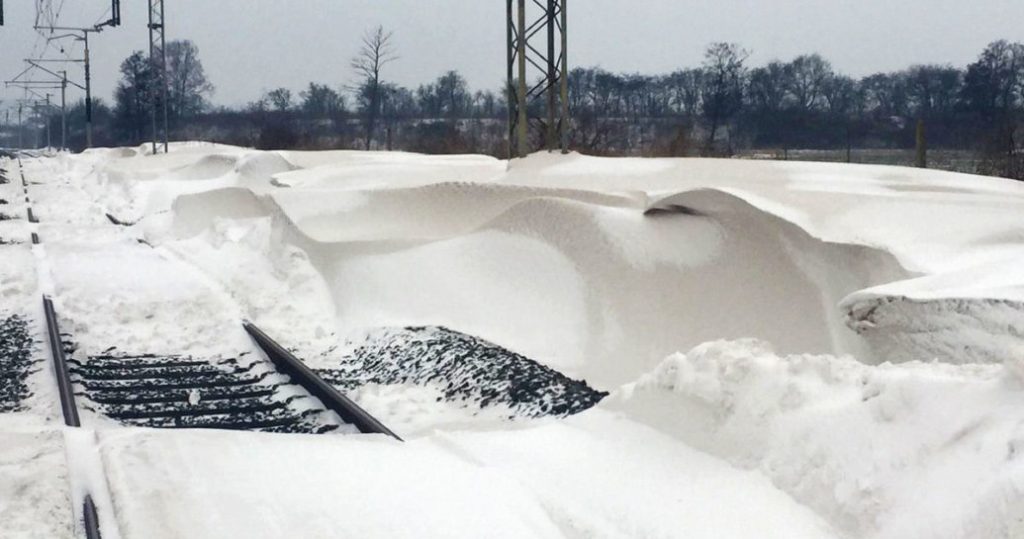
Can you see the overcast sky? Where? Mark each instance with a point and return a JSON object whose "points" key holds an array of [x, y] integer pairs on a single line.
{"points": [[248, 46]]}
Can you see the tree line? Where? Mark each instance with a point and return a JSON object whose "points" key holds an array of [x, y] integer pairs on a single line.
{"points": [[718, 108], [724, 105]]}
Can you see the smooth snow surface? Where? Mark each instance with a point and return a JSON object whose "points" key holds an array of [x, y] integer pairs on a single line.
{"points": [[548, 480], [855, 364], [34, 496]]}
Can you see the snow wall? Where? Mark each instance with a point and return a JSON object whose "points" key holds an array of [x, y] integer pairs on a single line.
{"points": [[598, 286]]}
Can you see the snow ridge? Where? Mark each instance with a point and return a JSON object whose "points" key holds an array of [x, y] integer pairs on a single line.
{"points": [[952, 330], [890, 451]]}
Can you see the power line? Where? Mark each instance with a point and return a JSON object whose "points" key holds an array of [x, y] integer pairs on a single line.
{"points": [[44, 7]]}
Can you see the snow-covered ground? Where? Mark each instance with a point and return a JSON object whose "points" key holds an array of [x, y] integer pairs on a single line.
{"points": [[791, 349]]}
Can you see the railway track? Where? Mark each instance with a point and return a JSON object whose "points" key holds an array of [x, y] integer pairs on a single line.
{"points": [[186, 392], [278, 394]]}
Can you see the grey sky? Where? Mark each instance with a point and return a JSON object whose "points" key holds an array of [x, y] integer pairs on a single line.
{"points": [[248, 46]]}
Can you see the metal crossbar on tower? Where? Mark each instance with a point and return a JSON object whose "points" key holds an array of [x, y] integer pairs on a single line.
{"points": [[538, 67], [158, 60]]}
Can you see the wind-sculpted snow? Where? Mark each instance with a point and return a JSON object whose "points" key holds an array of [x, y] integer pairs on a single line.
{"points": [[953, 330], [584, 285], [448, 294], [206, 168], [467, 370], [420, 213], [891, 451], [580, 279], [262, 167]]}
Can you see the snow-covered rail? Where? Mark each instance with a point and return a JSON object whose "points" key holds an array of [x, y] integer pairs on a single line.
{"points": [[316, 386], [90, 519], [181, 391], [60, 367]]}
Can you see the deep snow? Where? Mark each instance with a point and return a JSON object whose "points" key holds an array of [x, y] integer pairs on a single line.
{"points": [[563, 267], [909, 450]]}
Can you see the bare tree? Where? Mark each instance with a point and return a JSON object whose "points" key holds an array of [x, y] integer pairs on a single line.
{"points": [[321, 101], [766, 88], [280, 99], [807, 75], [722, 89], [842, 96], [685, 87], [187, 86], [376, 52]]}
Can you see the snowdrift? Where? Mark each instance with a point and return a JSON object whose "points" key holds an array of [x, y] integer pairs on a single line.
{"points": [[606, 291], [887, 402], [596, 267], [911, 450]]}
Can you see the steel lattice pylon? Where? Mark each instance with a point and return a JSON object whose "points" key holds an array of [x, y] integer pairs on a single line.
{"points": [[538, 67], [158, 59]]}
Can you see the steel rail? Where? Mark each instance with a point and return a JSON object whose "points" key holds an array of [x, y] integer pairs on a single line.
{"points": [[90, 519], [287, 363], [60, 367]]}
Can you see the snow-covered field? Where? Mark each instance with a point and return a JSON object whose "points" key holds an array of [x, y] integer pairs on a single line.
{"points": [[790, 349]]}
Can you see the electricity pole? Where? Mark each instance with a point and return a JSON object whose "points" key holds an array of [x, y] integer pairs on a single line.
{"points": [[79, 34], [82, 34], [88, 92], [537, 48], [28, 86], [158, 60], [46, 117], [60, 82], [64, 111]]}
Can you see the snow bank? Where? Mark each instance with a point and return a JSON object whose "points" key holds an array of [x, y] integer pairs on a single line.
{"points": [[973, 315], [270, 282], [910, 450], [930, 220], [385, 170], [547, 480], [603, 291], [461, 378], [631, 258], [597, 269], [262, 167], [359, 488], [196, 213], [429, 212], [206, 167]]}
